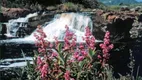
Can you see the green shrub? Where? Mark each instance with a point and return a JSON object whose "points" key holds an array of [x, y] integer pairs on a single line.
{"points": [[114, 7], [69, 6]]}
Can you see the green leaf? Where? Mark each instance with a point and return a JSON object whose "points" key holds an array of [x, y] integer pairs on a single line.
{"points": [[57, 77], [91, 53], [59, 48], [35, 53], [82, 63], [79, 74], [66, 57], [38, 78], [61, 57]]}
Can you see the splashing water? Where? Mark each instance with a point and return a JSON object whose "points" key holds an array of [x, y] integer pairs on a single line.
{"points": [[56, 28], [14, 24], [76, 22]]}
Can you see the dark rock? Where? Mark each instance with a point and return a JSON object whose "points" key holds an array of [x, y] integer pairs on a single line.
{"points": [[8, 75], [120, 29], [1, 17], [10, 13], [125, 8], [41, 19], [87, 3], [4, 29], [140, 18]]}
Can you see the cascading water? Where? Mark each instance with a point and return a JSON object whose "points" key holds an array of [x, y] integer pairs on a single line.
{"points": [[14, 24], [76, 22], [56, 28]]}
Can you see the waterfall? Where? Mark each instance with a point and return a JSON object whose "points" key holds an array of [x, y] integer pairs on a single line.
{"points": [[14, 24], [76, 22]]}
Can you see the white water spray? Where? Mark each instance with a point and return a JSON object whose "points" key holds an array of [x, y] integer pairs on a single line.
{"points": [[76, 22], [56, 28], [14, 24]]}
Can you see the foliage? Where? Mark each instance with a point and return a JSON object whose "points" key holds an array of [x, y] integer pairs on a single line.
{"points": [[70, 61], [69, 6], [28, 3], [114, 7]]}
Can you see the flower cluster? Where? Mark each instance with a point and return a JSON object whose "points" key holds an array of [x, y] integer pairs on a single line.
{"points": [[41, 43], [69, 39], [42, 67], [89, 38], [46, 55], [80, 55], [71, 60], [106, 47]]}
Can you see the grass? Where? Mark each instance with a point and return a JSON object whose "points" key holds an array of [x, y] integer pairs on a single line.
{"points": [[69, 6]]}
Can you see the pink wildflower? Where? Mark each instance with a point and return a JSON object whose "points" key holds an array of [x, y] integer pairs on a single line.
{"points": [[54, 54], [81, 46], [80, 58], [89, 38], [84, 53], [69, 39], [75, 55], [99, 56], [80, 55], [88, 32], [106, 47], [44, 71], [41, 43], [67, 75], [39, 61]]}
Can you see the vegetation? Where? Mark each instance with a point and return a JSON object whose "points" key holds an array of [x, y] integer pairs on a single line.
{"points": [[72, 61], [114, 7], [28, 3], [69, 6]]}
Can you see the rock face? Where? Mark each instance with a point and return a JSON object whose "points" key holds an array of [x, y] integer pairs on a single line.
{"points": [[126, 34], [140, 18], [10, 13], [1, 17], [118, 23]]}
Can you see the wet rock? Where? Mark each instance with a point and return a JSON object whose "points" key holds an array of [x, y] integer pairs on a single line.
{"points": [[41, 19], [1, 17], [11, 13], [140, 18], [7, 74]]}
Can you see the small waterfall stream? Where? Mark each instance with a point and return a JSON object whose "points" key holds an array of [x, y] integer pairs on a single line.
{"points": [[14, 24], [56, 28]]}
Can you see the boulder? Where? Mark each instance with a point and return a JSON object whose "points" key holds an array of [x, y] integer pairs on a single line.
{"points": [[140, 18], [11, 13]]}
